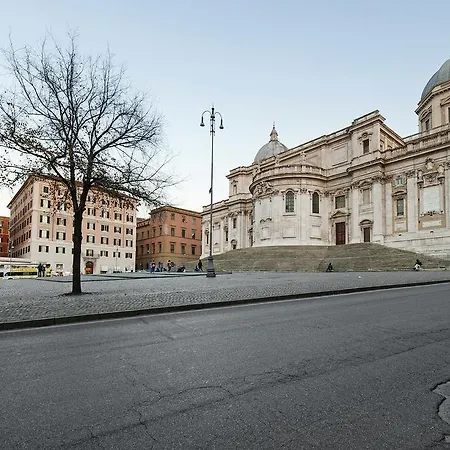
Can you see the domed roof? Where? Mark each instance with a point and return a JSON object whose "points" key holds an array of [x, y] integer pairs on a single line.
{"points": [[272, 148], [441, 76]]}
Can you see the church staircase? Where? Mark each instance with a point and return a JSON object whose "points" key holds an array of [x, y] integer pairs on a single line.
{"points": [[308, 258]]}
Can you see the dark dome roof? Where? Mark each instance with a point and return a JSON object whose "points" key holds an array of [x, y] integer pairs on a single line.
{"points": [[272, 148], [440, 77]]}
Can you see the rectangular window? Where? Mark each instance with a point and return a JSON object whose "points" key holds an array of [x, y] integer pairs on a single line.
{"points": [[183, 233], [104, 240], [183, 249], [226, 236], [60, 236], [154, 232], [172, 247], [234, 222], [60, 221], [183, 219], [129, 255], [118, 216], [160, 231], [116, 254], [44, 234], [427, 124], [89, 252], [43, 248], [129, 231], [194, 221], [117, 229], [117, 241], [45, 189], [365, 144], [153, 248], [44, 219], [128, 243], [400, 206], [172, 216], [172, 231], [105, 214], [315, 203], [104, 253], [193, 234], [159, 247], [193, 250], [339, 201], [45, 203], [400, 181], [60, 250], [289, 200], [366, 196], [90, 239], [105, 227], [90, 226]]}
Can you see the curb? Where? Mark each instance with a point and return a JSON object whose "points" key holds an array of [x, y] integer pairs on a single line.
{"points": [[51, 321]]}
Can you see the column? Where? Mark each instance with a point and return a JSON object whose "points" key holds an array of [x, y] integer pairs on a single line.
{"points": [[412, 202], [355, 233], [378, 212]]}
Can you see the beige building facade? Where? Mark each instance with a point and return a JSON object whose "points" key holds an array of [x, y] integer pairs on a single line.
{"points": [[41, 227], [364, 183]]}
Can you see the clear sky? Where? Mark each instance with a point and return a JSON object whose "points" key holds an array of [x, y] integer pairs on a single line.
{"points": [[310, 66]]}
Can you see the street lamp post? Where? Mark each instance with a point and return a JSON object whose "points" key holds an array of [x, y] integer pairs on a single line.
{"points": [[210, 272]]}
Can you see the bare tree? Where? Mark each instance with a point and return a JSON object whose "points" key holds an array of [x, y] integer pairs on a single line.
{"points": [[77, 120]]}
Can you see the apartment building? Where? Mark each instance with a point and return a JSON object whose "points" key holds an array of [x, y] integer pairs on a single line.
{"points": [[169, 233], [41, 227], [4, 226]]}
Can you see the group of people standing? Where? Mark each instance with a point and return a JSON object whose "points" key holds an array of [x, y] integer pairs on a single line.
{"points": [[170, 266], [42, 270]]}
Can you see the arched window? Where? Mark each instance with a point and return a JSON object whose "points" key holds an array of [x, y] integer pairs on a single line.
{"points": [[315, 203], [289, 202]]}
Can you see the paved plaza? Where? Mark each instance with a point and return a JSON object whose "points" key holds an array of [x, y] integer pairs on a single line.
{"points": [[43, 299]]}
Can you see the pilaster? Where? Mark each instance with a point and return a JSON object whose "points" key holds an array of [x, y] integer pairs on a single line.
{"points": [[304, 216], [412, 202], [378, 211], [388, 201], [355, 231]]}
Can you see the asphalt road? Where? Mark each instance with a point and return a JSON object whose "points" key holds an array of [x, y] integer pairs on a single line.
{"points": [[345, 372]]}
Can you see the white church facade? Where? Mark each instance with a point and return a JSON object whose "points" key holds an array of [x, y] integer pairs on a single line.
{"points": [[364, 183]]}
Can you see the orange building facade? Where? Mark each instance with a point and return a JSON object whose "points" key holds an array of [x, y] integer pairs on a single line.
{"points": [[169, 233], [4, 233]]}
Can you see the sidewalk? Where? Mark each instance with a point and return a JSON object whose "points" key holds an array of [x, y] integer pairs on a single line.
{"points": [[41, 302]]}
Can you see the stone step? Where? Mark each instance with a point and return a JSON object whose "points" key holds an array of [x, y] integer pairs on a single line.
{"points": [[350, 257]]}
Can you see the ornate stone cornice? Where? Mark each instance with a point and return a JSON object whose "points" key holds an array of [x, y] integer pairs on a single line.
{"points": [[264, 189]]}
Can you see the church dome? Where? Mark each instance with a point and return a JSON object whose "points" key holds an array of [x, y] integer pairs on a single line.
{"points": [[272, 148], [440, 77]]}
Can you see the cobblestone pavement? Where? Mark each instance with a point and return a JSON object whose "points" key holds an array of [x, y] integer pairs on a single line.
{"points": [[23, 300]]}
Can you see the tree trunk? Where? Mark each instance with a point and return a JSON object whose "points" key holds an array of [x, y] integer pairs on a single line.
{"points": [[77, 240]]}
